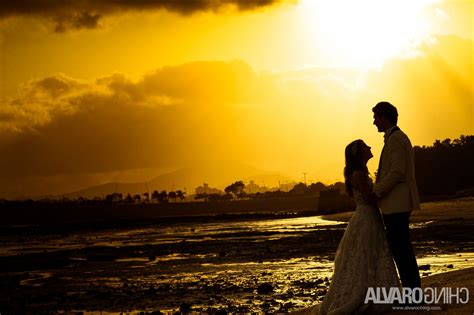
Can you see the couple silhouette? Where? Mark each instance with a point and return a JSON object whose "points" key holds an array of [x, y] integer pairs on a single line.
{"points": [[377, 235]]}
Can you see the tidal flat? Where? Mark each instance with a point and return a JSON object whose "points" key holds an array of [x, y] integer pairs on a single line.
{"points": [[238, 264]]}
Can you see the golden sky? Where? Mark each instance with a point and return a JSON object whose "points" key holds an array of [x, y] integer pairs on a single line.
{"points": [[125, 90]]}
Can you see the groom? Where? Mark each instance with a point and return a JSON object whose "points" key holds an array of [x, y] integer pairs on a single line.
{"points": [[396, 192]]}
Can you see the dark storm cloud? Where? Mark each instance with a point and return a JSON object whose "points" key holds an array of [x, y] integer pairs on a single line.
{"points": [[86, 14], [60, 125]]}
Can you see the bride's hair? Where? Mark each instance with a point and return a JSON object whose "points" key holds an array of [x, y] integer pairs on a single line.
{"points": [[353, 163]]}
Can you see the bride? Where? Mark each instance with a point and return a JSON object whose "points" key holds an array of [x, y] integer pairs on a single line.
{"points": [[363, 258]]}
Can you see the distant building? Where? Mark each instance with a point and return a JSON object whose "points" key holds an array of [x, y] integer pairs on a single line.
{"points": [[205, 189], [252, 188]]}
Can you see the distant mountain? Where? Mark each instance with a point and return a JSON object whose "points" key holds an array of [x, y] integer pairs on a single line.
{"points": [[186, 179]]}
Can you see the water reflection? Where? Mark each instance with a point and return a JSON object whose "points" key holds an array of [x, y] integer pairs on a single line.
{"points": [[204, 264], [156, 235], [434, 264]]}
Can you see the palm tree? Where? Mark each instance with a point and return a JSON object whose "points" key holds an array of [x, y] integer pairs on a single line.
{"points": [[172, 195], [155, 196], [180, 195], [147, 197], [163, 196], [137, 198], [128, 199]]}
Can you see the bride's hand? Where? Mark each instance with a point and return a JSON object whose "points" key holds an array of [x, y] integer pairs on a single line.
{"points": [[374, 197]]}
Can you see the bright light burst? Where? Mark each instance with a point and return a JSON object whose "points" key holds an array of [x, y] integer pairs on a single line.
{"points": [[364, 33]]}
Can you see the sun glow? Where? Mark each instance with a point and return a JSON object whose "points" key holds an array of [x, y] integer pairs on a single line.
{"points": [[364, 33]]}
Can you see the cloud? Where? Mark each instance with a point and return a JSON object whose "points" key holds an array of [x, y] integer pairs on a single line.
{"points": [[60, 127], [74, 15], [38, 103]]}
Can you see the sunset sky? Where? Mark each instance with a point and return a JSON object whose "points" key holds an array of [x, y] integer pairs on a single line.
{"points": [[120, 90]]}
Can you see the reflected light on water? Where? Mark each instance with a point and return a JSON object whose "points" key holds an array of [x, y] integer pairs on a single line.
{"points": [[156, 235], [445, 262]]}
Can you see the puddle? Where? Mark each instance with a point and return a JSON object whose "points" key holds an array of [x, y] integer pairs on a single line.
{"points": [[36, 279], [419, 225], [445, 263]]}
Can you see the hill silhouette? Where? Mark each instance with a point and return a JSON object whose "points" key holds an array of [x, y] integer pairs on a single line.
{"points": [[186, 179]]}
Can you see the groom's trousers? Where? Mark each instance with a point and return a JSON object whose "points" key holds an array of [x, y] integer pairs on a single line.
{"points": [[398, 236]]}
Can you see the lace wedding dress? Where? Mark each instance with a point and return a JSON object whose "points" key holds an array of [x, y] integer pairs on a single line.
{"points": [[363, 260]]}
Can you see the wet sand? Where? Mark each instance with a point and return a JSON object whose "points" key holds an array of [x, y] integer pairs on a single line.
{"points": [[443, 217], [450, 210], [265, 265], [460, 278]]}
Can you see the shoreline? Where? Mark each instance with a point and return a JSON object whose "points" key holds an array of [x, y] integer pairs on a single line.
{"points": [[57, 214], [430, 211]]}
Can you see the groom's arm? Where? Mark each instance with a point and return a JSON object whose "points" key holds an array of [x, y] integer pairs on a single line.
{"points": [[396, 174]]}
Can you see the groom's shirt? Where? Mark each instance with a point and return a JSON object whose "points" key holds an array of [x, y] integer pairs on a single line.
{"points": [[387, 133]]}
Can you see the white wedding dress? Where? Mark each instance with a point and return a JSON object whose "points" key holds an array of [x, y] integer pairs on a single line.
{"points": [[363, 260]]}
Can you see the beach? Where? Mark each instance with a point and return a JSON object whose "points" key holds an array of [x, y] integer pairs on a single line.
{"points": [[461, 279], [267, 264], [443, 215]]}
